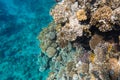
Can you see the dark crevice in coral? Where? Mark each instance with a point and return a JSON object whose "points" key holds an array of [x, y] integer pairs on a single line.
{"points": [[117, 47], [57, 53], [111, 73], [110, 35], [84, 41], [93, 1], [42, 54], [94, 30], [96, 74], [48, 66], [63, 23], [88, 14], [116, 27], [58, 0], [85, 22], [73, 49]]}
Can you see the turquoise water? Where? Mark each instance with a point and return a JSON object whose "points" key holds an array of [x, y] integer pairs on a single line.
{"points": [[20, 23]]}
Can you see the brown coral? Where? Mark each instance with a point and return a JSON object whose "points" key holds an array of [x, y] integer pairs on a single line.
{"points": [[101, 18], [60, 12], [69, 66], [69, 33], [95, 40], [115, 66], [113, 3], [83, 68], [100, 52], [44, 45], [58, 28], [46, 36], [61, 39], [72, 1]]}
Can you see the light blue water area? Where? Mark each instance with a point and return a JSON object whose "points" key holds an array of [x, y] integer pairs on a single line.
{"points": [[20, 23]]}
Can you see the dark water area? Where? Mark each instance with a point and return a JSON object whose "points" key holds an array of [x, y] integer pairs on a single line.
{"points": [[20, 23]]}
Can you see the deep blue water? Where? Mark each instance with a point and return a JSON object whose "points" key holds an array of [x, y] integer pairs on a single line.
{"points": [[20, 23]]}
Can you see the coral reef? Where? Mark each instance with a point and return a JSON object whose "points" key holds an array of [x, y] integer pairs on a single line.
{"points": [[101, 18], [61, 12], [83, 41], [81, 15], [46, 38], [116, 16], [50, 51], [94, 41]]}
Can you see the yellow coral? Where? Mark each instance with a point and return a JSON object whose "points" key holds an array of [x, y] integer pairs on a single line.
{"points": [[58, 28], [92, 57], [109, 48], [92, 77], [81, 15]]}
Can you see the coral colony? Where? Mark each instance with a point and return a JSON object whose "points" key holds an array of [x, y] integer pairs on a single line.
{"points": [[83, 41]]}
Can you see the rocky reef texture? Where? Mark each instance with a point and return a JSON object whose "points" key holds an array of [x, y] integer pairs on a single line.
{"points": [[101, 18], [83, 41]]}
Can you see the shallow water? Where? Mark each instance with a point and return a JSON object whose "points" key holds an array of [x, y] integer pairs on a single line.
{"points": [[20, 23]]}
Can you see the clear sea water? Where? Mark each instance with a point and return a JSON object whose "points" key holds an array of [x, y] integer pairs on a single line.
{"points": [[20, 23]]}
